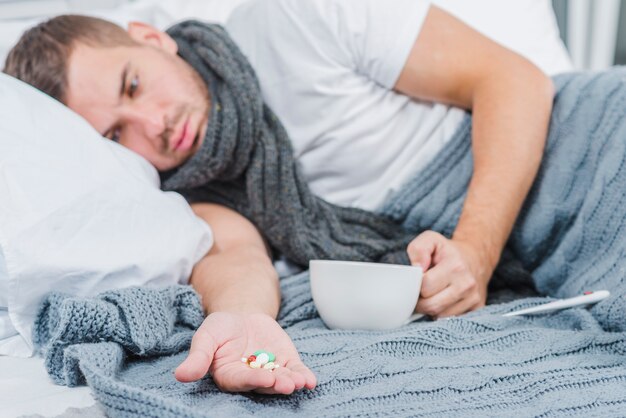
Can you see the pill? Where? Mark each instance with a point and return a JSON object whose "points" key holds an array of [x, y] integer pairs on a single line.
{"points": [[263, 358], [271, 356]]}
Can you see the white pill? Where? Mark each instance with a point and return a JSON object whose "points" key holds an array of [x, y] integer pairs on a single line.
{"points": [[263, 358]]}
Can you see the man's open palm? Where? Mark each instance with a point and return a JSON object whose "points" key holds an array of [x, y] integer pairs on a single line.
{"points": [[224, 338]]}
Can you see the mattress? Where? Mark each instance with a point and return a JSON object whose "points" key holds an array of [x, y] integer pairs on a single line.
{"points": [[26, 390]]}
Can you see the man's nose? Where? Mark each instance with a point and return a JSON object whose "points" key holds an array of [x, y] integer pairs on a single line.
{"points": [[148, 122]]}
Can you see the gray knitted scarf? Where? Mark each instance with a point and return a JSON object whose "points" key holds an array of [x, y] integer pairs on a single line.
{"points": [[246, 163]]}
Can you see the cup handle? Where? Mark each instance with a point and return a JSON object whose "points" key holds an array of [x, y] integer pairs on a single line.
{"points": [[414, 317]]}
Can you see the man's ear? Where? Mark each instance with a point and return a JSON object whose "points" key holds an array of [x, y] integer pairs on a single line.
{"points": [[149, 35]]}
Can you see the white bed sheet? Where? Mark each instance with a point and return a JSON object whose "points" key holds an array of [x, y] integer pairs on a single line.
{"points": [[26, 389]]}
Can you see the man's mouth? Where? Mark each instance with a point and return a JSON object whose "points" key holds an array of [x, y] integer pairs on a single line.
{"points": [[186, 138]]}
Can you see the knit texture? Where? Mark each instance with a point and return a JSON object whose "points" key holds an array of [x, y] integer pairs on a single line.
{"points": [[481, 364], [570, 235], [571, 232], [246, 163]]}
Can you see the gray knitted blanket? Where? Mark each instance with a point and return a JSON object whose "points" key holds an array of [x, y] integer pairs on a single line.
{"points": [[570, 236], [126, 344], [571, 232]]}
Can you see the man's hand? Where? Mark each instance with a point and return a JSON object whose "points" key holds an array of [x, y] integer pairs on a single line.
{"points": [[455, 275], [240, 290], [511, 101], [224, 338]]}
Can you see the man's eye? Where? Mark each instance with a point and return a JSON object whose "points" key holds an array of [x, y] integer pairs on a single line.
{"points": [[114, 135], [133, 86]]}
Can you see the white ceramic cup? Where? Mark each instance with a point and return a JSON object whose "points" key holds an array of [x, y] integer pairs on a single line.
{"points": [[371, 296]]}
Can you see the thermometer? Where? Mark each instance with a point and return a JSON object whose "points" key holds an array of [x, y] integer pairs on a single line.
{"points": [[585, 299]]}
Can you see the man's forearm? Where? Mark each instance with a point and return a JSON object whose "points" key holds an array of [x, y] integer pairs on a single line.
{"points": [[240, 279], [510, 123]]}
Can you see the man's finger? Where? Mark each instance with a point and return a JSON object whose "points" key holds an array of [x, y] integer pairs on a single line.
{"points": [[421, 249], [437, 304], [309, 377], [297, 372], [298, 379], [306, 378], [463, 306], [435, 281], [437, 278], [199, 359], [238, 377], [283, 383]]}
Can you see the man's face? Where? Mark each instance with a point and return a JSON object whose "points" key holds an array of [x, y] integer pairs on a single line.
{"points": [[144, 97]]}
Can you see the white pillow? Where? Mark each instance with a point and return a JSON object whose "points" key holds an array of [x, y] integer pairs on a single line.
{"points": [[79, 214]]}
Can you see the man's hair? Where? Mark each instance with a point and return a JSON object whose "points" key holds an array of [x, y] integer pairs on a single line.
{"points": [[40, 58]]}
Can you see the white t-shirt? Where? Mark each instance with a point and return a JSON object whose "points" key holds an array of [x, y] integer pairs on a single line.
{"points": [[327, 69]]}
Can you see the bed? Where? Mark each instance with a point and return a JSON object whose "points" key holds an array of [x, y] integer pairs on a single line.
{"points": [[481, 364], [125, 343], [26, 390]]}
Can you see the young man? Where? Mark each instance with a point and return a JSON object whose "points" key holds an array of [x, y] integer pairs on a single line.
{"points": [[369, 75]]}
